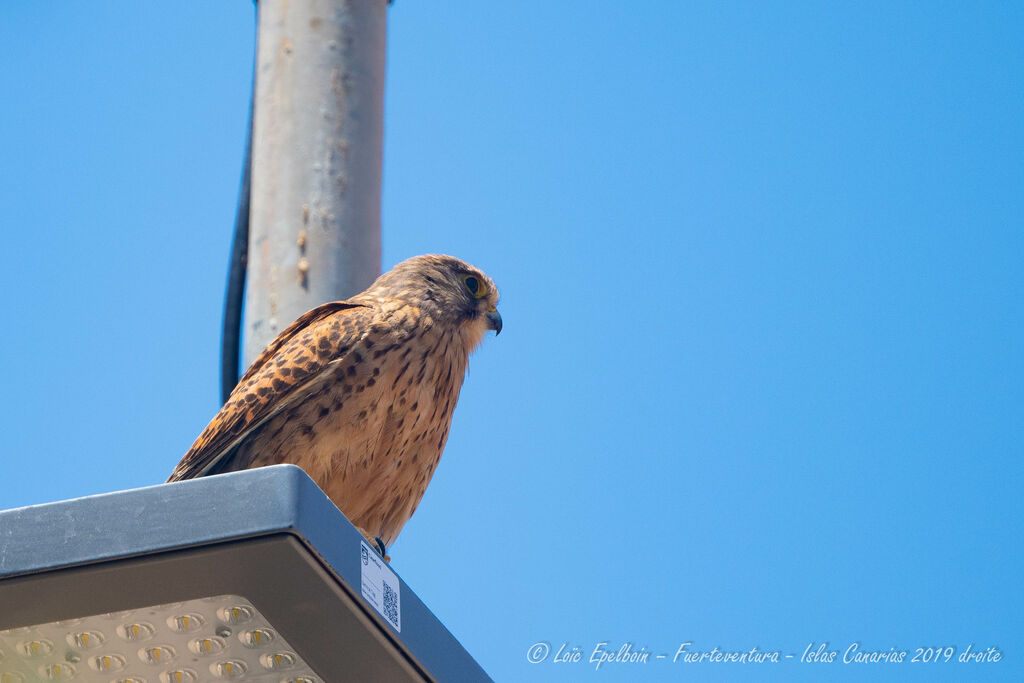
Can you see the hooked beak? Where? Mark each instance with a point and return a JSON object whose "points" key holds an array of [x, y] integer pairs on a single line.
{"points": [[494, 321]]}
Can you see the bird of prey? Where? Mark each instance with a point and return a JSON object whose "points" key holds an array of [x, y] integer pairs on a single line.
{"points": [[360, 393]]}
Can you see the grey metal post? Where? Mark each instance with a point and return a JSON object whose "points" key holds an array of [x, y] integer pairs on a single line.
{"points": [[317, 145]]}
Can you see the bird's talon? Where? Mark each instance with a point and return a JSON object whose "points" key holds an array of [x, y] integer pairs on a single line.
{"points": [[381, 549]]}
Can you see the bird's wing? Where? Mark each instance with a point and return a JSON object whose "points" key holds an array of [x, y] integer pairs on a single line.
{"points": [[291, 366]]}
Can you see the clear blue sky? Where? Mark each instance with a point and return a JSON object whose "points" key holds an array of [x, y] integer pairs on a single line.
{"points": [[760, 382]]}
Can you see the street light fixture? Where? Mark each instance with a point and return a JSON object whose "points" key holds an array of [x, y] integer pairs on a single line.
{"points": [[247, 576]]}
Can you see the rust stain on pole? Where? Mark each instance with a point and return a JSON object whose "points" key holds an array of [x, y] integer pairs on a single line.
{"points": [[317, 145]]}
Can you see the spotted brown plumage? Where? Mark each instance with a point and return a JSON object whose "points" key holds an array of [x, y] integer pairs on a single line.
{"points": [[359, 393]]}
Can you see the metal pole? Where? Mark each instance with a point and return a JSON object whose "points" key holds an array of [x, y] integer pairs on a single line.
{"points": [[317, 147]]}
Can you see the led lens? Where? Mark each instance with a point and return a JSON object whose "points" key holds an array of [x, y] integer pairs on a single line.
{"points": [[258, 637], [35, 648], [135, 631], [57, 672], [277, 661], [185, 623], [232, 669], [107, 663], [235, 614], [156, 655], [206, 646], [85, 640]]}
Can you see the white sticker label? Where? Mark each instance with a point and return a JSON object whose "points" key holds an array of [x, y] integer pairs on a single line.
{"points": [[380, 586]]}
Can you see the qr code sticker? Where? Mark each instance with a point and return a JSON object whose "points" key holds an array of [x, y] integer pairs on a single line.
{"points": [[381, 587], [390, 604]]}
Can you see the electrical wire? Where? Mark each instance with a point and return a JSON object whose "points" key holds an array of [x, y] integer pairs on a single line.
{"points": [[234, 297]]}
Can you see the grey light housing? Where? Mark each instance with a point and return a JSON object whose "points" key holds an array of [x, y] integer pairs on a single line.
{"points": [[252, 575]]}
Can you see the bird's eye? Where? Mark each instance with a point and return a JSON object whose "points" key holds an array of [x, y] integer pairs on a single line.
{"points": [[477, 288]]}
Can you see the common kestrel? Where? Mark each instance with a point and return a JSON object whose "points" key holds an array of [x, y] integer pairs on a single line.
{"points": [[359, 393]]}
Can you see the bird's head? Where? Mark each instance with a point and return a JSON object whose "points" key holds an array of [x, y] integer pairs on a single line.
{"points": [[449, 290]]}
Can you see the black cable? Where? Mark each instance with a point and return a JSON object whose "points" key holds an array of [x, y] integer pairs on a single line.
{"points": [[231, 329]]}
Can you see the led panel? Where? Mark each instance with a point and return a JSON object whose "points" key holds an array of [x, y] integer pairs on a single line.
{"points": [[221, 638]]}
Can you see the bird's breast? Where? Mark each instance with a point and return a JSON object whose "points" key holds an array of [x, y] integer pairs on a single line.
{"points": [[372, 436]]}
